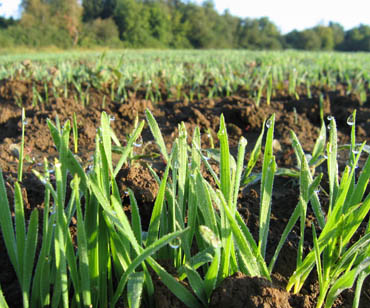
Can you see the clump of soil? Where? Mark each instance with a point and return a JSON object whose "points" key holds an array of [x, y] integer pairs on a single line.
{"points": [[239, 291]]}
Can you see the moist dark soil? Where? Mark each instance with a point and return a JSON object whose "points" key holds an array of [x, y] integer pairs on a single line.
{"points": [[243, 118]]}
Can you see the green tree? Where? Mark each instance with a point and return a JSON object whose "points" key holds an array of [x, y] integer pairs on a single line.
{"points": [[7, 22], [225, 29], [357, 39], [102, 32], [68, 15], [93, 9], [338, 33], [258, 34], [160, 23], [132, 19], [179, 29], [294, 40], [310, 40], [202, 22], [35, 13], [326, 36]]}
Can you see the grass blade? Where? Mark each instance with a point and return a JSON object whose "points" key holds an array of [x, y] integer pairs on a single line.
{"points": [[7, 227], [153, 229], [135, 217], [82, 247], [29, 256], [21, 150], [174, 286], [153, 125], [268, 172], [20, 229], [345, 282], [127, 149], [144, 254], [256, 152], [196, 283], [225, 174], [3, 302], [135, 286]]}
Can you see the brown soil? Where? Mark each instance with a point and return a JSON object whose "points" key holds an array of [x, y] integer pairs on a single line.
{"points": [[243, 118]]}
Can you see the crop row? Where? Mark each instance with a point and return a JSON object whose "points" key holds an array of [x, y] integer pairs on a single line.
{"points": [[193, 224], [157, 75]]}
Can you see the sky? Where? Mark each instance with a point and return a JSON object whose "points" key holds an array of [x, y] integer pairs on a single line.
{"points": [[286, 14]]}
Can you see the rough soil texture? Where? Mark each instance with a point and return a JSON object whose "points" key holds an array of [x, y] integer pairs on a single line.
{"points": [[243, 118], [239, 290]]}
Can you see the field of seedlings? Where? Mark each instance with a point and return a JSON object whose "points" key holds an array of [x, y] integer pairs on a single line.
{"points": [[185, 179]]}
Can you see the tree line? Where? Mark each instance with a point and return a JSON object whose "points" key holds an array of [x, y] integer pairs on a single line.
{"points": [[163, 24]]}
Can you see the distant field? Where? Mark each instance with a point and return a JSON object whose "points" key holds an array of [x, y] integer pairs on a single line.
{"points": [[188, 74]]}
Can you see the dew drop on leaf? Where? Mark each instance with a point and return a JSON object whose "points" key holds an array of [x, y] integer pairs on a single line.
{"points": [[175, 243], [355, 151], [350, 120], [138, 143], [268, 123]]}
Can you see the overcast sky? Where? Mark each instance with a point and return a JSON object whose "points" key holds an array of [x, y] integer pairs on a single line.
{"points": [[286, 14]]}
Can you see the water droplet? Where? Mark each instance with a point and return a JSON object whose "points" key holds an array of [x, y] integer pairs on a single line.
{"points": [[205, 156], [209, 236], [144, 235], [176, 164], [58, 165], [356, 151], [330, 118], [138, 143], [114, 212], [175, 243], [350, 120], [325, 156], [317, 190], [268, 123], [50, 171], [308, 157], [25, 122], [126, 192], [192, 175], [112, 118], [43, 181]]}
